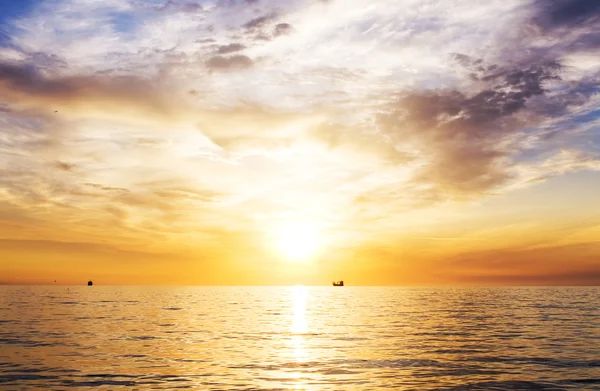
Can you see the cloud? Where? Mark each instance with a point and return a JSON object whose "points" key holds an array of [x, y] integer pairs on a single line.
{"points": [[530, 266], [359, 140], [107, 188], [471, 139], [26, 84], [260, 21], [566, 13], [51, 246], [230, 48], [231, 63], [206, 40], [282, 29], [460, 137], [555, 30], [189, 193], [65, 166], [177, 6], [250, 126]]}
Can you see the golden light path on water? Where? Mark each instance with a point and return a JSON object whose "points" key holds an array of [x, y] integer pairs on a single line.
{"points": [[299, 301], [298, 327]]}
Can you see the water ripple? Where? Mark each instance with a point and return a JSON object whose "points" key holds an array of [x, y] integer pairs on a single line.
{"points": [[421, 339]]}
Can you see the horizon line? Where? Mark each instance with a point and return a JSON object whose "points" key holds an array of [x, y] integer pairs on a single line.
{"points": [[321, 285]]}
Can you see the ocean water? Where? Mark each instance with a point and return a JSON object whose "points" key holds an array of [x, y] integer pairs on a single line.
{"points": [[299, 338]]}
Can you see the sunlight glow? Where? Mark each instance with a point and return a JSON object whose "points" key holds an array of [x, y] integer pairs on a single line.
{"points": [[297, 241]]}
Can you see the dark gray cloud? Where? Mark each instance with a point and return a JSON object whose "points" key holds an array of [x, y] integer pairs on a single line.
{"points": [[508, 93], [566, 26], [260, 21], [170, 6], [262, 37], [230, 63], [206, 40], [65, 166], [177, 6], [462, 132], [48, 61], [107, 188], [566, 13], [23, 77], [28, 82], [282, 29], [230, 48]]}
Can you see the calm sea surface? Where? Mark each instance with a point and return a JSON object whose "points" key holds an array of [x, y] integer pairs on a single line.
{"points": [[296, 338]]}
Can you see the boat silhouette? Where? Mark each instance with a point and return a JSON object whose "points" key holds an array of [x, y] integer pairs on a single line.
{"points": [[338, 283], [90, 283]]}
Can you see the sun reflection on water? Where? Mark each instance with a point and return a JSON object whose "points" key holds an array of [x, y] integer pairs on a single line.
{"points": [[299, 299], [298, 354]]}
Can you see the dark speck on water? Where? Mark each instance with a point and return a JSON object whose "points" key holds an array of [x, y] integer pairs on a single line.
{"points": [[296, 338]]}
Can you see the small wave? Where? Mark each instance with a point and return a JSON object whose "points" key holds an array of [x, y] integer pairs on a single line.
{"points": [[141, 338], [350, 339], [23, 342], [399, 363], [20, 377], [188, 360], [456, 351], [108, 375], [338, 372], [307, 364], [545, 361], [99, 383], [9, 365], [586, 381], [509, 385]]}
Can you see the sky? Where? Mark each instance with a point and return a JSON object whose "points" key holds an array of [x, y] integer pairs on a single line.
{"points": [[255, 142]]}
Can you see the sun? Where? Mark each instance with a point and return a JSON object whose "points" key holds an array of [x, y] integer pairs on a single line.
{"points": [[296, 241]]}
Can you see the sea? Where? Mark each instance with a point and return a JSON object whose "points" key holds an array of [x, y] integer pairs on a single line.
{"points": [[299, 338]]}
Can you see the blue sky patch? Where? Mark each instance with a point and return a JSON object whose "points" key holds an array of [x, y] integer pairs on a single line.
{"points": [[123, 22], [12, 9]]}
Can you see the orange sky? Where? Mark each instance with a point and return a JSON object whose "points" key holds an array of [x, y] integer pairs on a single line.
{"points": [[299, 142]]}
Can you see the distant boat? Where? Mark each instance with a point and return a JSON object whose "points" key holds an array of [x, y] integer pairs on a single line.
{"points": [[90, 283], [338, 283]]}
